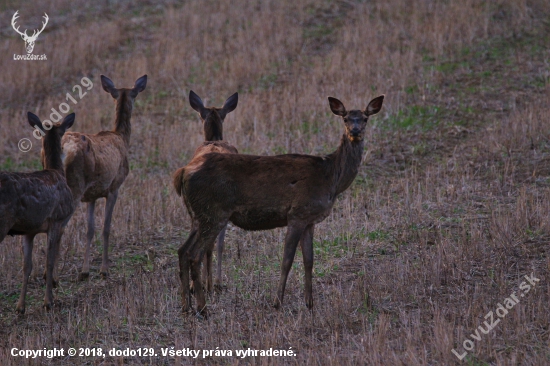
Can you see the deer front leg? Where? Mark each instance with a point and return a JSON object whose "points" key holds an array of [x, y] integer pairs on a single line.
{"points": [[307, 252], [109, 207], [85, 272], [54, 236], [45, 275], [27, 269], [293, 235], [5, 226]]}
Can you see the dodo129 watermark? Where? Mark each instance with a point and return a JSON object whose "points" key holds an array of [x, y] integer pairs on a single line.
{"points": [[57, 115]]}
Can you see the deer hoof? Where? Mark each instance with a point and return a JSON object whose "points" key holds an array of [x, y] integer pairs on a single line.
{"points": [[104, 274], [20, 310], [83, 276], [47, 306], [203, 314], [186, 310], [219, 288]]}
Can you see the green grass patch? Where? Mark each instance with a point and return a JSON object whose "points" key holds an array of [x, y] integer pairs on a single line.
{"points": [[268, 81], [11, 298], [416, 117], [26, 165], [318, 31]]}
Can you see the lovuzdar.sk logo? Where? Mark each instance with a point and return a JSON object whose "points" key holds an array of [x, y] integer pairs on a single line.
{"points": [[29, 40]]}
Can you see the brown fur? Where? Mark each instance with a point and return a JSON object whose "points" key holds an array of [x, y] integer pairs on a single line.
{"points": [[205, 148], [212, 119], [97, 165], [38, 202], [265, 192]]}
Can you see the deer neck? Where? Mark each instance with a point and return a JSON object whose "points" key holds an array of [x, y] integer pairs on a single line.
{"points": [[213, 129], [345, 163], [123, 116], [51, 153]]}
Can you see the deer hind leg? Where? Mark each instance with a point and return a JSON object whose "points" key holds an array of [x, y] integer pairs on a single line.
{"points": [[85, 272], [109, 207], [207, 264], [219, 247], [206, 235], [184, 270], [196, 278], [306, 243], [54, 237], [27, 270], [201, 246], [207, 270], [293, 235]]}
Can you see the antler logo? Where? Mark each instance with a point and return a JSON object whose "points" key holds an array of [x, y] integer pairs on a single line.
{"points": [[29, 40]]}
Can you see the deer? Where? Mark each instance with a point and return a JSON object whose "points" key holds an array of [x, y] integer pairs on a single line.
{"points": [[29, 40], [266, 192], [38, 202], [212, 119], [96, 165]]}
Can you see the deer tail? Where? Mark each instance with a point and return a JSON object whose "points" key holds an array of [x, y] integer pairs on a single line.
{"points": [[178, 181]]}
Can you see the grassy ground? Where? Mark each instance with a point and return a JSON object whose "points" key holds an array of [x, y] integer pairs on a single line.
{"points": [[449, 211]]}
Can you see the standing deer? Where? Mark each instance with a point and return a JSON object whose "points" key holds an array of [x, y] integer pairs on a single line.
{"points": [[97, 165], [212, 119], [29, 40], [265, 192], [38, 202]]}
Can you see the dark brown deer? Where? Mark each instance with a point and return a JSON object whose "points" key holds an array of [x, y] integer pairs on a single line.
{"points": [[38, 202], [97, 165], [265, 192], [212, 119]]}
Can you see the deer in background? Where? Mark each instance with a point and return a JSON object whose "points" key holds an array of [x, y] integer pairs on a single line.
{"points": [[212, 119], [97, 165], [266, 192], [29, 40], [38, 202]]}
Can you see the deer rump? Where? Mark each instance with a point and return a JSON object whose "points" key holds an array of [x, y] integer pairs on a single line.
{"points": [[29, 201], [259, 192], [94, 163]]}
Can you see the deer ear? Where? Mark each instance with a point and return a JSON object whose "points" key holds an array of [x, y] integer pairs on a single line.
{"points": [[337, 107], [230, 104], [196, 103], [109, 86], [34, 120], [374, 106], [139, 86], [67, 122]]}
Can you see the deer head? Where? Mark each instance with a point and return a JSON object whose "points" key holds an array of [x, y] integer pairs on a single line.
{"points": [[29, 40], [355, 120]]}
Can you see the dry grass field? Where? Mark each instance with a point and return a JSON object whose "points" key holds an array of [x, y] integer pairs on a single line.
{"points": [[449, 212]]}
